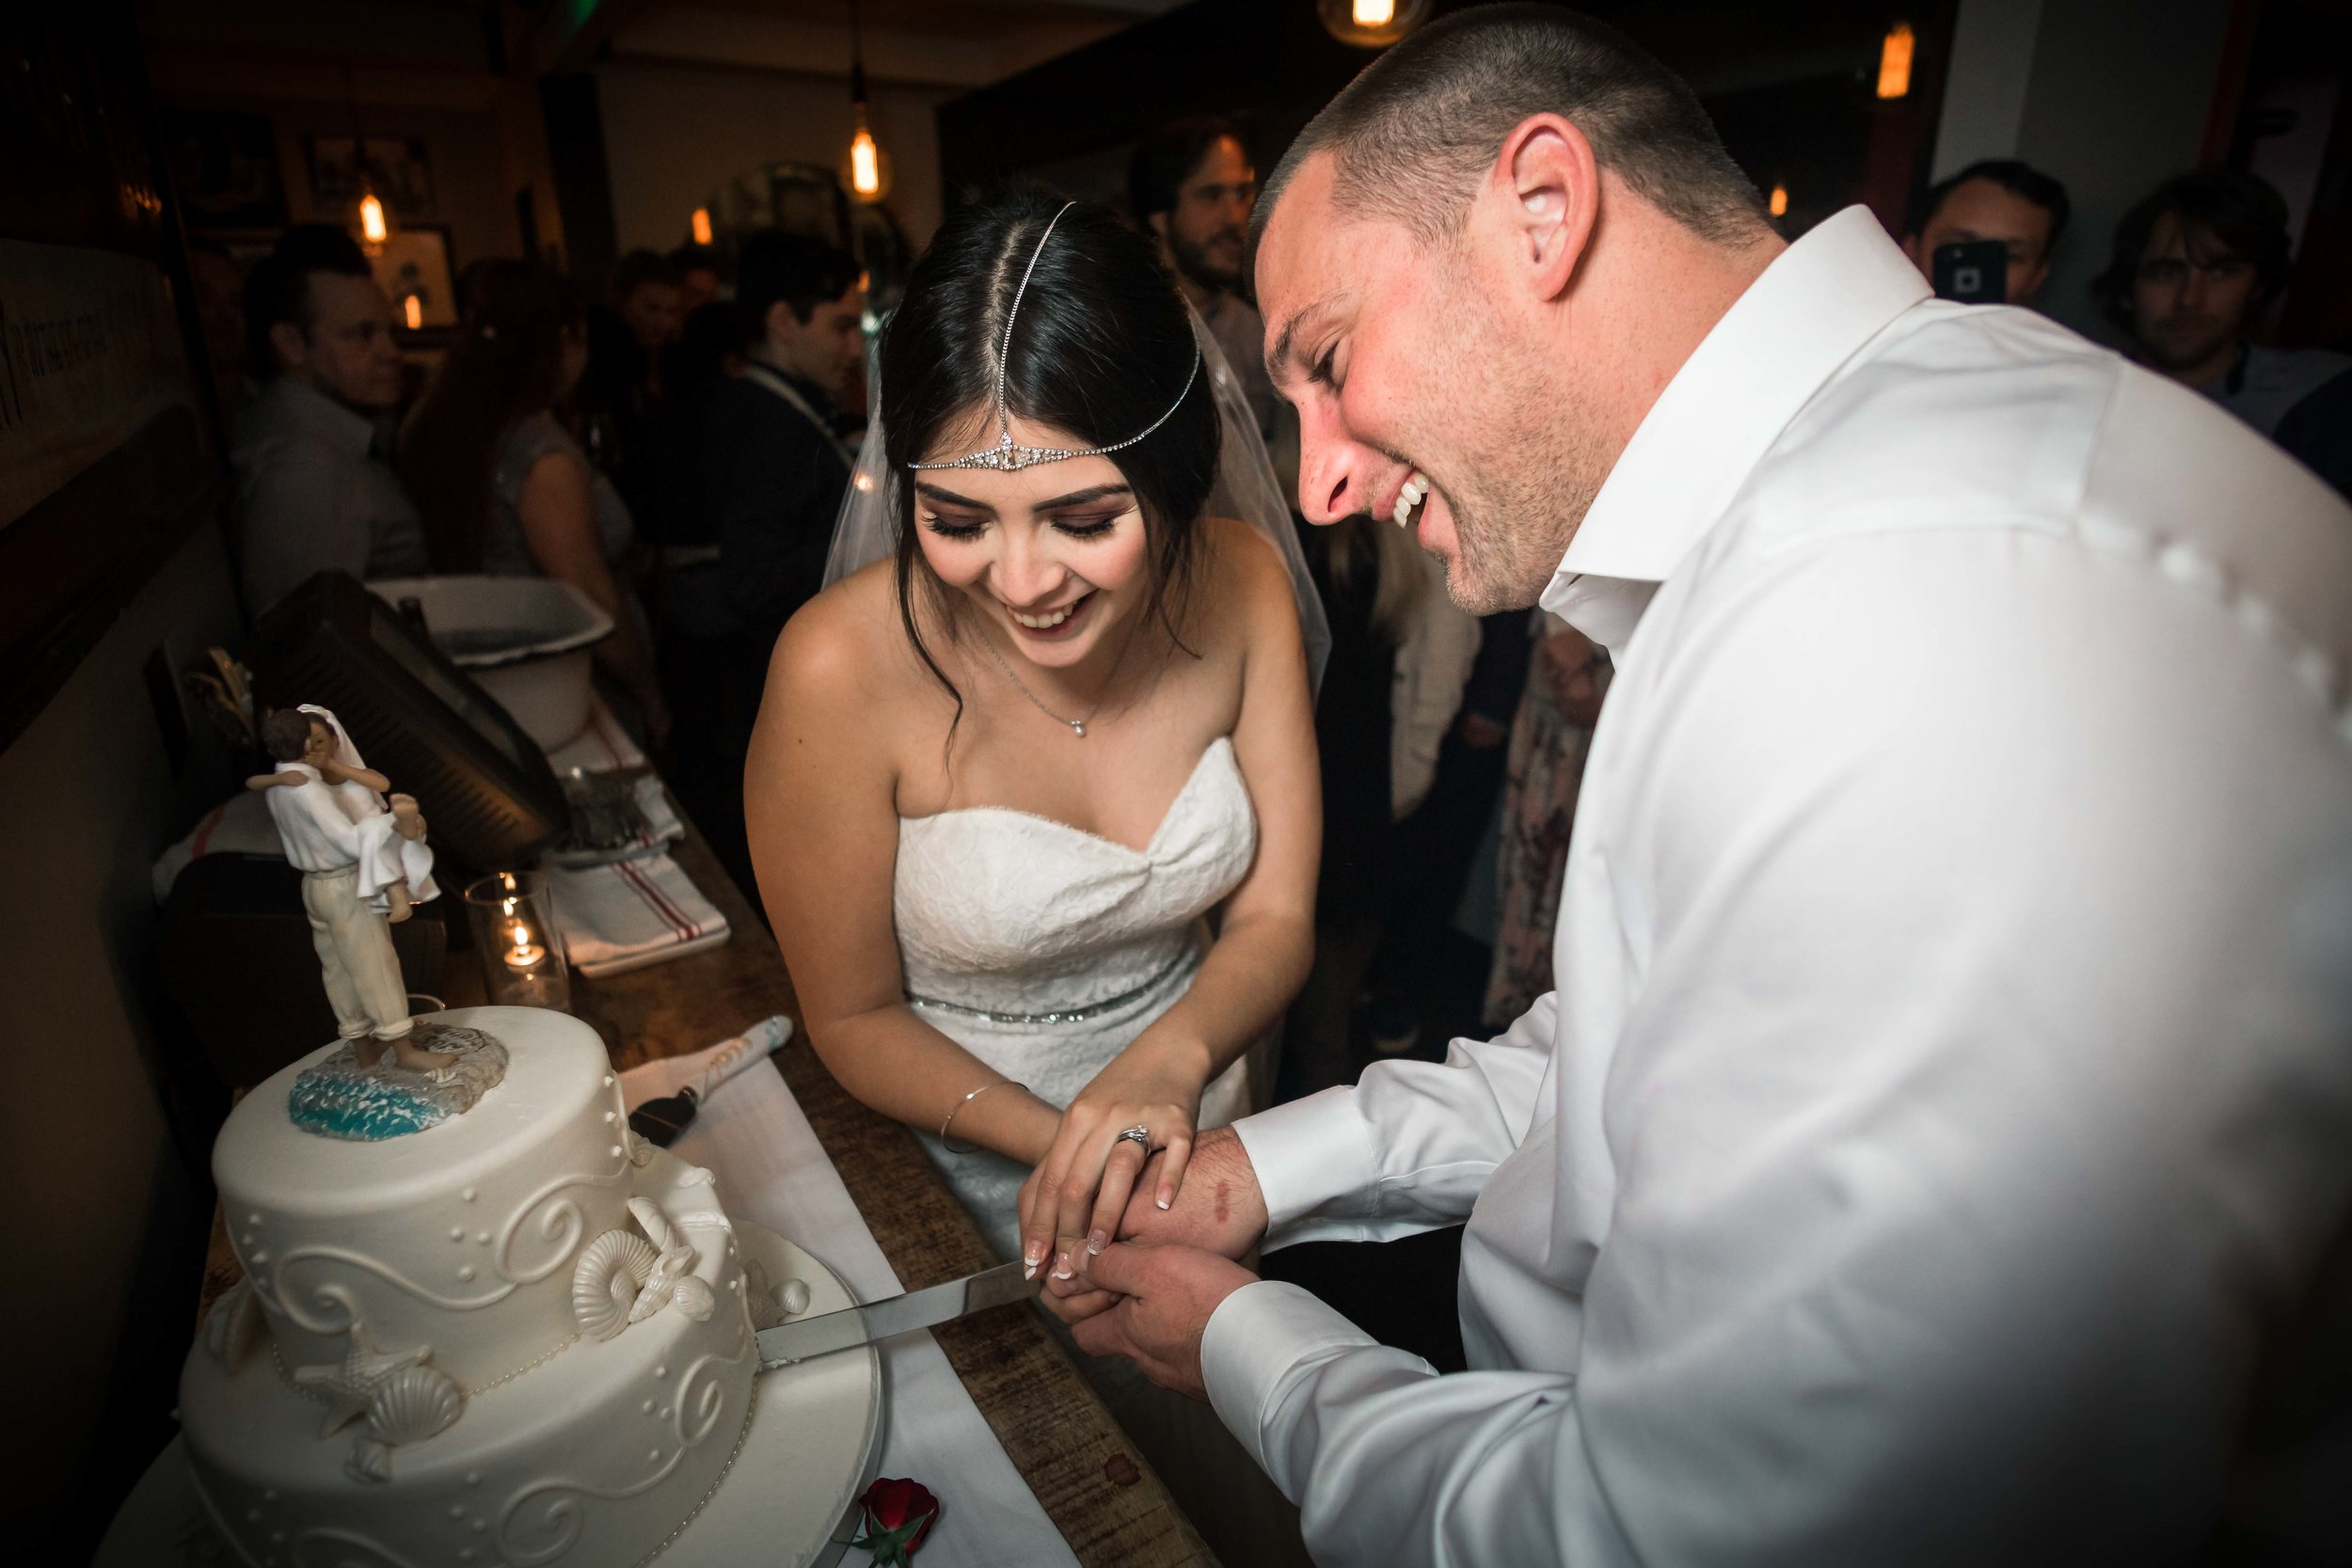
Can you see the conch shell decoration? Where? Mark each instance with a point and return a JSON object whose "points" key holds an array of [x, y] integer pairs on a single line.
{"points": [[624, 1279]]}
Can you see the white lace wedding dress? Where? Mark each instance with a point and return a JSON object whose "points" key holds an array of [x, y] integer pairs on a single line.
{"points": [[1043, 949]]}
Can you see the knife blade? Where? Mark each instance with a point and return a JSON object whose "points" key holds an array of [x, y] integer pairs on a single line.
{"points": [[851, 1326]]}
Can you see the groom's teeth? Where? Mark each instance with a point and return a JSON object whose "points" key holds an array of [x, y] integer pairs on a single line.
{"points": [[1044, 623], [1416, 488]]}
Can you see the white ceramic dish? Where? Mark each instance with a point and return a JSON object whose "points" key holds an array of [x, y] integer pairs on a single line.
{"points": [[525, 640]]}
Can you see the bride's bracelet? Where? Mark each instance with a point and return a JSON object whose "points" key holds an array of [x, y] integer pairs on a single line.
{"points": [[971, 1148]]}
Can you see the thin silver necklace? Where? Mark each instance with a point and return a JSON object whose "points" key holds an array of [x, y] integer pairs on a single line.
{"points": [[1077, 726]]}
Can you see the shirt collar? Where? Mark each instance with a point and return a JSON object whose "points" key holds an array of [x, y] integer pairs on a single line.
{"points": [[1819, 302], [335, 422]]}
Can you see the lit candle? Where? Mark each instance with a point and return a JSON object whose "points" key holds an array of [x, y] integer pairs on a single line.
{"points": [[526, 954], [1374, 13]]}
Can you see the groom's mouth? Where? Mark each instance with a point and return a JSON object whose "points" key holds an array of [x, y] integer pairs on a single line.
{"points": [[1415, 494]]}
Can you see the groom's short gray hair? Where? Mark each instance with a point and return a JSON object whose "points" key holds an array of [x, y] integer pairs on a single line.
{"points": [[1414, 132]]}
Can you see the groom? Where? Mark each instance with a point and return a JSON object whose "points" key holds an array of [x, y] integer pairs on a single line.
{"points": [[1939, 1147]]}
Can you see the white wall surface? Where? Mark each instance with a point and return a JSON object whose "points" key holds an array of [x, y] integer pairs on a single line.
{"points": [[87, 793]]}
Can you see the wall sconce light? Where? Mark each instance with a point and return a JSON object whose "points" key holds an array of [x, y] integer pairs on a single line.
{"points": [[412, 312], [700, 226], [1372, 23], [1779, 201], [1894, 61]]}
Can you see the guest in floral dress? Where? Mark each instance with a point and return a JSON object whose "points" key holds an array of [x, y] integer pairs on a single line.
{"points": [[1549, 744]]}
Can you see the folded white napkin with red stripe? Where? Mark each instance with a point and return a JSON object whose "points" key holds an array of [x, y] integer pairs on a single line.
{"points": [[631, 913]]}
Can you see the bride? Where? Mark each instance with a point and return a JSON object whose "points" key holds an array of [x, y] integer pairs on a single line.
{"points": [[1033, 795]]}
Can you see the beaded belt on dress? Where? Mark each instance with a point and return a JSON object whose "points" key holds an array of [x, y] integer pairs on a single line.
{"points": [[1066, 1015]]}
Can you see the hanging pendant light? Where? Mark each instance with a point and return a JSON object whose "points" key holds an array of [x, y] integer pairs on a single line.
{"points": [[368, 213], [1372, 23], [1895, 52], [867, 168]]}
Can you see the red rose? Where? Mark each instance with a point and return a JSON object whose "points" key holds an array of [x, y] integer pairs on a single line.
{"points": [[898, 1514]]}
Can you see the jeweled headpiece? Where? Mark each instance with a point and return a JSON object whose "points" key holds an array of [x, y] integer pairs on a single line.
{"points": [[1005, 455]]}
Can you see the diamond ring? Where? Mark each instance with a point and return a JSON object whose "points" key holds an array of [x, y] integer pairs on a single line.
{"points": [[1138, 1136]]}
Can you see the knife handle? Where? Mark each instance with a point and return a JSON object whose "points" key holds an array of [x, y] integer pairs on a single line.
{"points": [[757, 1045]]}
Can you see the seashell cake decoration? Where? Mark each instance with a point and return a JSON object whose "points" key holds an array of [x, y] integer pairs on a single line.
{"points": [[606, 1280], [623, 1277], [402, 1399], [411, 1406]]}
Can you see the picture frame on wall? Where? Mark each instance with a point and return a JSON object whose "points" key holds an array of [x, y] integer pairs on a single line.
{"points": [[225, 168], [415, 263], [402, 172]]}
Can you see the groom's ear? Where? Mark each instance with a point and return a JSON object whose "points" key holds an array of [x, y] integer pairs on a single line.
{"points": [[1545, 190]]}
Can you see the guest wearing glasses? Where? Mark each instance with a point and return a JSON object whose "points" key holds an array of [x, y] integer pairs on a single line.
{"points": [[2195, 264]]}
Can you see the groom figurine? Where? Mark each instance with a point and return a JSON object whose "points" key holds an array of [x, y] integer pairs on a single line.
{"points": [[361, 862], [1939, 1147]]}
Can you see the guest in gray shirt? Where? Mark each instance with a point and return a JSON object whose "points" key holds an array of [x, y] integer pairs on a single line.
{"points": [[315, 487]]}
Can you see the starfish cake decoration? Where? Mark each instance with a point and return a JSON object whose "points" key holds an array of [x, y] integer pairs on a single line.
{"points": [[347, 1388]]}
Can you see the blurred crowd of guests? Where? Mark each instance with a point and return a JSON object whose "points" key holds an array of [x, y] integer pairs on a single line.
{"points": [[676, 447]]}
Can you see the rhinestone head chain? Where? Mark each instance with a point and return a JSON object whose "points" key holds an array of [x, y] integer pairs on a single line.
{"points": [[1006, 456]]}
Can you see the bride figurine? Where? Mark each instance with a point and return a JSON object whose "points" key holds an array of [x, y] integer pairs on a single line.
{"points": [[364, 861], [1033, 795]]}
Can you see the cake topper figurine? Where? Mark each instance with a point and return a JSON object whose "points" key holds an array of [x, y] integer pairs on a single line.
{"points": [[364, 865]]}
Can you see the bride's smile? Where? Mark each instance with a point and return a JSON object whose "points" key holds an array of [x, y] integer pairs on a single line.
{"points": [[1054, 556]]}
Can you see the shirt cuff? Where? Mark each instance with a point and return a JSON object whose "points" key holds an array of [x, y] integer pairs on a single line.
{"points": [[1310, 1153], [1254, 1340]]}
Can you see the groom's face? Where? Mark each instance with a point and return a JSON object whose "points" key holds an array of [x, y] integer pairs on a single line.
{"points": [[1418, 404]]}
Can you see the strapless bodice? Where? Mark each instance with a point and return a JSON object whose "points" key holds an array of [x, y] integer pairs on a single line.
{"points": [[1000, 911]]}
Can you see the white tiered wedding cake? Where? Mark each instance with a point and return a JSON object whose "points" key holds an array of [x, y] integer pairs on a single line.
{"points": [[523, 1337]]}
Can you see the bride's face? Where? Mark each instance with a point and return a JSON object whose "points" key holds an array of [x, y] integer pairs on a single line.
{"points": [[1054, 555]]}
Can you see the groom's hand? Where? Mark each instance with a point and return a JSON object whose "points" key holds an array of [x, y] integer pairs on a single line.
{"points": [[1154, 1304], [1218, 1210]]}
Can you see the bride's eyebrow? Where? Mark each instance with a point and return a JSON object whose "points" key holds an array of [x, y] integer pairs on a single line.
{"points": [[1079, 498], [934, 492]]}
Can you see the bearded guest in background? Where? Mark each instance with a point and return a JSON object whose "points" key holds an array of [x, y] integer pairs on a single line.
{"points": [[1192, 185], [1938, 1148], [2194, 266]]}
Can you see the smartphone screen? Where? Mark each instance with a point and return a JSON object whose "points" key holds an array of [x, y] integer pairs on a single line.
{"points": [[1974, 272]]}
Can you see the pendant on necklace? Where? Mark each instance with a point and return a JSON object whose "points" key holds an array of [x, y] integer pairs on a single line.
{"points": [[1078, 728]]}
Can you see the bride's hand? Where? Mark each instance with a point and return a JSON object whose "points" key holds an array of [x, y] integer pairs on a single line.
{"points": [[1080, 1189]]}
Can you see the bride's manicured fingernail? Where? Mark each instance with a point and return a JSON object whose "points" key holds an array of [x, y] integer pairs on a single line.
{"points": [[1166, 1197], [1062, 1271], [1033, 1253], [1028, 1270], [1096, 1242]]}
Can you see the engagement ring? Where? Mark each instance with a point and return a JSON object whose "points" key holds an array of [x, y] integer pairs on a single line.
{"points": [[1138, 1134]]}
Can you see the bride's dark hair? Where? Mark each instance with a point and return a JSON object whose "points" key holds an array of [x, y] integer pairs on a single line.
{"points": [[1101, 349]]}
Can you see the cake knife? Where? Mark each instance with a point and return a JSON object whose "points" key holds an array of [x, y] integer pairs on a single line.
{"points": [[852, 1326]]}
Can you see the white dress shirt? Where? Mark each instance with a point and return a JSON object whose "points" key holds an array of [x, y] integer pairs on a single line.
{"points": [[314, 493], [1946, 1110]]}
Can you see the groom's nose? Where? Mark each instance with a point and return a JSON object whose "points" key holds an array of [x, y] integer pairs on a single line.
{"points": [[1332, 470]]}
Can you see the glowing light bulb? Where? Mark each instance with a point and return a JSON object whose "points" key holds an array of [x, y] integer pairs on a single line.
{"points": [[1374, 13], [412, 308], [1894, 61], [864, 163], [372, 226], [1780, 201], [702, 226]]}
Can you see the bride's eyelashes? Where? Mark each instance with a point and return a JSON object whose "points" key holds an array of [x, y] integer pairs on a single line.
{"points": [[1092, 526]]}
